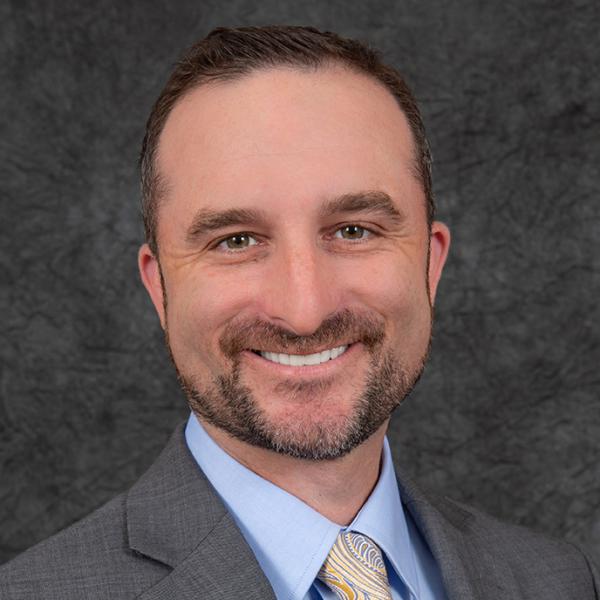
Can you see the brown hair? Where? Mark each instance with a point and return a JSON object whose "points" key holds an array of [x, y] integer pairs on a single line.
{"points": [[227, 54]]}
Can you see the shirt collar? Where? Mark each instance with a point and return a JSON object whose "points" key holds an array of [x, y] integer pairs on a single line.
{"points": [[289, 539], [382, 519]]}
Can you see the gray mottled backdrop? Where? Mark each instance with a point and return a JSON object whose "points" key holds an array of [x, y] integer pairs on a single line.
{"points": [[507, 415]]}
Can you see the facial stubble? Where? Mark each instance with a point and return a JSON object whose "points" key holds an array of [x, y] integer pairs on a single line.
{"points": [[227, 403]]}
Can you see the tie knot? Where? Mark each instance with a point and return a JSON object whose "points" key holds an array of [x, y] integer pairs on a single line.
{"points": [[354, 568]]}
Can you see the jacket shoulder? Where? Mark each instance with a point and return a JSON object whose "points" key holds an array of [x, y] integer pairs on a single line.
{"points": [[499, 534], [91, 559], [533, 559]]}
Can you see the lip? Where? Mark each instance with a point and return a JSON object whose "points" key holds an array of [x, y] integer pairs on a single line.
{"points": [[305, 371]]}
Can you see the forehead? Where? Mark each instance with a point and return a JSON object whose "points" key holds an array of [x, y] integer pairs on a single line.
{"points": [[285, 131]]}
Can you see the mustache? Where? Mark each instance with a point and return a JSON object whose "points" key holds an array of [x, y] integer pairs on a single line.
{"points": [[340, 329]]}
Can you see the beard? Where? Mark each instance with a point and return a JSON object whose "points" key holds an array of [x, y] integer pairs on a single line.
{"points": [[227, 403]]}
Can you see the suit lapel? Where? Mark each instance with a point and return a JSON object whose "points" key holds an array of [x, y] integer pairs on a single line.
{"points": [[468, 569], [222, 566], [174, 516]]}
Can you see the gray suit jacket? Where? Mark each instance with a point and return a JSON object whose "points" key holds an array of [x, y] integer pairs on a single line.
{"points": [[171, 538]]}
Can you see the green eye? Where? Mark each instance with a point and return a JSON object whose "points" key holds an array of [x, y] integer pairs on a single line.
{"points": [[239, 241], [351, 232]]}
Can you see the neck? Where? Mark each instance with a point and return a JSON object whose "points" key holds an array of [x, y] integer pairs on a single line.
{"points": [[331, 487]]}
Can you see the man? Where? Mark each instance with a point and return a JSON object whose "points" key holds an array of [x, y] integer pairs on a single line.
{"points": [[293, 258]]}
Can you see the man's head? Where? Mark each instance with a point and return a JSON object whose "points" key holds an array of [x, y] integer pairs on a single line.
{"points": [[287, 194]]}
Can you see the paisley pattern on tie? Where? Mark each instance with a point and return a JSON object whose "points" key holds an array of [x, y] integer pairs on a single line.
{"points": [[355, 570]]}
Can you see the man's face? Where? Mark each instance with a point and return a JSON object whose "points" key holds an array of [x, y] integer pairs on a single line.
{"points": [[294, 249]]}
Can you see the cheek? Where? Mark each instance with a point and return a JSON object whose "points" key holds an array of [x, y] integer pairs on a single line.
{"points": [[398, 292], [197, 309]]}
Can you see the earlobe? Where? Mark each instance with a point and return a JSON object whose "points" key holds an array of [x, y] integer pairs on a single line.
{"points": [[439, 244], [151, 278]]}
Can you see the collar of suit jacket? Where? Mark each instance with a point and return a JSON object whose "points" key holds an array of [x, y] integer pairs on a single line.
{"points": [[175, 516], [468, 569], [172, 507]]}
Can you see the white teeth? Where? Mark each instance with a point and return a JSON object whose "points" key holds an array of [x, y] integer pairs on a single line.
{"points": [[300, 360]]}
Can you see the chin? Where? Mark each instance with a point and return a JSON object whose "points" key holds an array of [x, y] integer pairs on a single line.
{"points": [[310, 436]]}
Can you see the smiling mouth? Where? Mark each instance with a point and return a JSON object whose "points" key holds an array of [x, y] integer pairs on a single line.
{"points": [[302, 360]]}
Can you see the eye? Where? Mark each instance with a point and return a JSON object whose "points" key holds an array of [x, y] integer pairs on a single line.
{"points": [[238, 241], [352, 232]]}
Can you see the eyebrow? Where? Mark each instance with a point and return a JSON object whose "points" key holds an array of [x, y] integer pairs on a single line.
{"points": [[207, 220], [368, 201]]}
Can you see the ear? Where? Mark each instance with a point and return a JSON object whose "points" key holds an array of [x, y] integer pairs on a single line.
{"points": [[151, 278], [439, 244]]}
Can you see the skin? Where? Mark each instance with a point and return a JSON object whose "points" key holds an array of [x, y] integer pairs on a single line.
{"points": [[288, 142]]}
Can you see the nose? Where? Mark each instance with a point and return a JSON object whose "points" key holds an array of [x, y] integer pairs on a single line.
{"points": [[300, 290]]}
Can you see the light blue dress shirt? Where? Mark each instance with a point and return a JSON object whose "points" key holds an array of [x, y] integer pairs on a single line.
{"points": [[291, 540]]}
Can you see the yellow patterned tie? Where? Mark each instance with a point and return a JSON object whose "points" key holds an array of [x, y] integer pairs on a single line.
{"points": [[355, 570]]}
